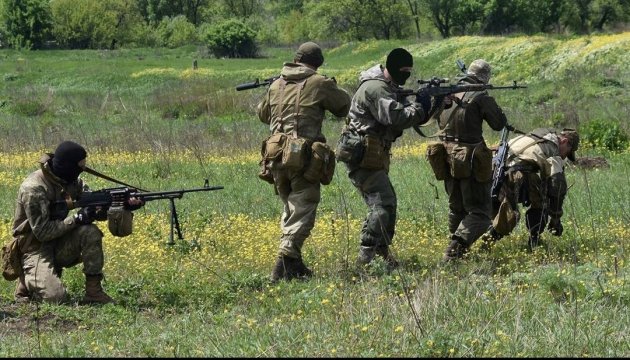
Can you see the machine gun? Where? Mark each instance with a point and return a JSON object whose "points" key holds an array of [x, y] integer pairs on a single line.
{"points": [[256, 83], [106, 198]]}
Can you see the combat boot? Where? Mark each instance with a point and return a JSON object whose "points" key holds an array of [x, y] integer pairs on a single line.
{"points": [[278, 272], [366, 255], [455, 250], [21, 291], [94, 293], [301, 271], [288, 268], [383, 251]]}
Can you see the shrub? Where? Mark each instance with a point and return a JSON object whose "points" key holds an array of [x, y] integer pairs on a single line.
{"points": [[605, 134], [177, 31], [231, 38]]}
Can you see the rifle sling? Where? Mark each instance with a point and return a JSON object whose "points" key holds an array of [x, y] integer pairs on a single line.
{"points": [[103, 176]]}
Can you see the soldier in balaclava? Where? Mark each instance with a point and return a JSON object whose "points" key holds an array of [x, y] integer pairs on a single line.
{"points": [[377, 117]]}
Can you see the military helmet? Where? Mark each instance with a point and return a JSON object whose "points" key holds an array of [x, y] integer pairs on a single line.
{"points": [[309, 53], [480, 69]]}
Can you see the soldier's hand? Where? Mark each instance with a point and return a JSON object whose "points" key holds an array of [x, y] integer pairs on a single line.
{"points": [[134, 204], [85, 216], [555, 227], [424, 99]]}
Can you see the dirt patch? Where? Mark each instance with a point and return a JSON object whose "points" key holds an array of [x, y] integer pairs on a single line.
{"points": [[23, 319], [591, 162]]}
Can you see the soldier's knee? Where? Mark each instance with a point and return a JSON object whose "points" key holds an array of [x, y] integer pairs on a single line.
{"points": [[90, 233], [52, 292], [55, 296]]}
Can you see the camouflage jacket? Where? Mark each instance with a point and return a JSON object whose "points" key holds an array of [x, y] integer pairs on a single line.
{"points": [[540, 150], [376, 108], [542, 155], [285, 112], [33, 223]]}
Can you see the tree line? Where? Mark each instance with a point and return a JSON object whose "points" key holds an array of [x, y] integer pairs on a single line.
{"points": [[235, 28]]}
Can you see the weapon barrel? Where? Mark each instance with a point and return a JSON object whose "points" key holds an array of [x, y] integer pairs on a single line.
{"points": [[247, 86], [148, 196]]}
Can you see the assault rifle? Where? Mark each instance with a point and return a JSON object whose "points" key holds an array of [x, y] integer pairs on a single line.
{"points": [[256, 83], [499, 162], [106, 198], [434, 88]]}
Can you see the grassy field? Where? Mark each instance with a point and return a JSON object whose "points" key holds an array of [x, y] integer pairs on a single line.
{"points": [[148, 119]]}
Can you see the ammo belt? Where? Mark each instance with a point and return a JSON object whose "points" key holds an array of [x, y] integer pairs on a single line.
{"points": [[450, 138]]}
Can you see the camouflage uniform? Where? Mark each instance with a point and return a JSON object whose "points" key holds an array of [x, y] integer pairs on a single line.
{"points": [[377, 112], [295, 105], [535, 178], [470, 161], [48, 245]]}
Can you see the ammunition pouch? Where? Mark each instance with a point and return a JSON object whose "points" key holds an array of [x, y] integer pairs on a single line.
{"points": [[350, 148], [11, 260], [294, 153], [375, 156], [459, 160], [271, 150], [321, 167], [119, 221], [436, 155], [482, 163]]}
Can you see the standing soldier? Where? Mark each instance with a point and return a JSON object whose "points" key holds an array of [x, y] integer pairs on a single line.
{"points": [[535, 178], [296, 158], [468, 160], [377, 118]]}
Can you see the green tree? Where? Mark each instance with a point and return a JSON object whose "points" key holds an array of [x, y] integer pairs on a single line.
{"points": [[154, 11], [442, 14], [83, 24], [95, 24], [358, 19], [608, 12], [230, 38], [468, 16], [26, 23], [177, 31]]}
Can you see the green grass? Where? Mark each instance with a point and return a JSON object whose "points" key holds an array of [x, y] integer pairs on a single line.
{"points": [[209, 295]]}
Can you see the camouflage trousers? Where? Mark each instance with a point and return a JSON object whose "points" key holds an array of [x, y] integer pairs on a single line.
{"points": [[378, 194], [300, 199], [42, 267], [528, 189], [469, 208]]}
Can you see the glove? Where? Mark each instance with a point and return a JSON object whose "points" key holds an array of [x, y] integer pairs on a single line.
{"points": [[424, 99], [85, 216], [555, 227]]}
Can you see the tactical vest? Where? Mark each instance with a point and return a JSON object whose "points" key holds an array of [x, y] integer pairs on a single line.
{"points": [[456, 115]]}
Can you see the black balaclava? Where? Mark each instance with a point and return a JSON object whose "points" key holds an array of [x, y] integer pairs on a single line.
{"points": [[397, 59], [65, 162]]}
